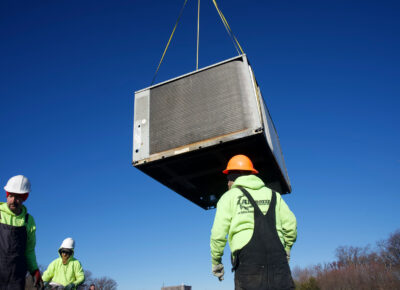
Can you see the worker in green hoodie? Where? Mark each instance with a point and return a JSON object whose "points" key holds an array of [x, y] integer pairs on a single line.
{"points": [[260, 227], [17, 237], [64, 271]]}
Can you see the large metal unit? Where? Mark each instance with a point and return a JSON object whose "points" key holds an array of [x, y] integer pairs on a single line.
{"points": [[187, 128]]}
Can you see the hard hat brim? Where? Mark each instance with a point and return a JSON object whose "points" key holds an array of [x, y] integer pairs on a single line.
{"points": [[226, 171], [15, 191]]}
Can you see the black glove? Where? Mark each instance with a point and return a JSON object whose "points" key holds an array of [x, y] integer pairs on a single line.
{"points": [[70, 286]]}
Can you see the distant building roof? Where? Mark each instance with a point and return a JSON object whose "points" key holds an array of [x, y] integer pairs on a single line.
{"points": [[180, 287]]}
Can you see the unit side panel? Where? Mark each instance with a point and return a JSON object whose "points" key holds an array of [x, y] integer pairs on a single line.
{"points": [[273, 139], [251, 109], [141, 126]]}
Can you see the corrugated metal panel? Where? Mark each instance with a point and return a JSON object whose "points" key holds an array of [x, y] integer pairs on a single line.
{"points": [[199, 107]]}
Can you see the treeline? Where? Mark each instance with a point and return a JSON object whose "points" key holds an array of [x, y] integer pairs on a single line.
{"points": [[102, 283], [356, 268]]}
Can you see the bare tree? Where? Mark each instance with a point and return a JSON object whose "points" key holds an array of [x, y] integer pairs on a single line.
{"points": [[356, 276], [356, 268], [390, 250], [105, 283], [303, 275], [353, 255], [88, 281]]}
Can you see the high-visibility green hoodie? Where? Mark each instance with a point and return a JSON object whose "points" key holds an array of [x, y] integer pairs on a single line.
{"points": [[71, 272], [235, 218], [9, 218]]}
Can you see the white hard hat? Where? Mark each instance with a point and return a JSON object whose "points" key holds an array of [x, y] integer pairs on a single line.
{"points": [[68, 243], [18, 184]]}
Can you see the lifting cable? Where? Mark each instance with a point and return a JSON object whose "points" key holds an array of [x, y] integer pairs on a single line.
{"points": [[224, 21]]}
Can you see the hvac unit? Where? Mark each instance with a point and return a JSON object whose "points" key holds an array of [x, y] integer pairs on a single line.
{"points": [[187, 128]]}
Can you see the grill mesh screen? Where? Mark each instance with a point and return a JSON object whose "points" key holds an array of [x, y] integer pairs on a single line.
{"points": [[198, 107]]}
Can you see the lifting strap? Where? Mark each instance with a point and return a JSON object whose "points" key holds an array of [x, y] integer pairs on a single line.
{"points": [[198, 34], [169, 40], [228, 29], [224, 21]]}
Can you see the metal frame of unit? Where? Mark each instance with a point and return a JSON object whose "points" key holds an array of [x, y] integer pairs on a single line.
{"points": [[187, 128]]}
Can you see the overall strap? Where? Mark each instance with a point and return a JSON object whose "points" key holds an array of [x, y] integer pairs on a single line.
{"points": [[272, 205], [253, 203]]}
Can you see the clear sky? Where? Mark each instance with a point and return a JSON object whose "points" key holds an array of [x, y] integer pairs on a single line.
{"points": [[329, 73]]}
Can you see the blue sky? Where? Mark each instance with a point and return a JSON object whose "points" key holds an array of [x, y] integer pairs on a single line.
{"points": [[329, 73]]}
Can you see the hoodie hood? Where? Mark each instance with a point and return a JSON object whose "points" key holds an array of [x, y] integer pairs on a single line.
{"points": [[4, 208], [70, 257], [248, 181]]}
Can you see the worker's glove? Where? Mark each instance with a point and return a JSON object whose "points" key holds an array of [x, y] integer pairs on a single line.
{"points": [[45, 284], [288, 255], [218, 271], [37, 278], [70, 286]]}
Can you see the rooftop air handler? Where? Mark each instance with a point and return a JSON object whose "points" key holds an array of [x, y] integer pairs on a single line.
{"points": [[187, 128]]}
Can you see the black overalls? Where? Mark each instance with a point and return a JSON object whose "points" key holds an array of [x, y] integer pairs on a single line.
{"points": [[262, 263], [13, 265]]}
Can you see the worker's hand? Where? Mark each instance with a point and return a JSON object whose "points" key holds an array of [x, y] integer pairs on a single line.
{"points": [[45, 284], [288, 255], [37, 278], [70, 286], [218, 271]]}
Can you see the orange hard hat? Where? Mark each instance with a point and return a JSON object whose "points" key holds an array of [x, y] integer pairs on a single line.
{"points": [[240, 162]]}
